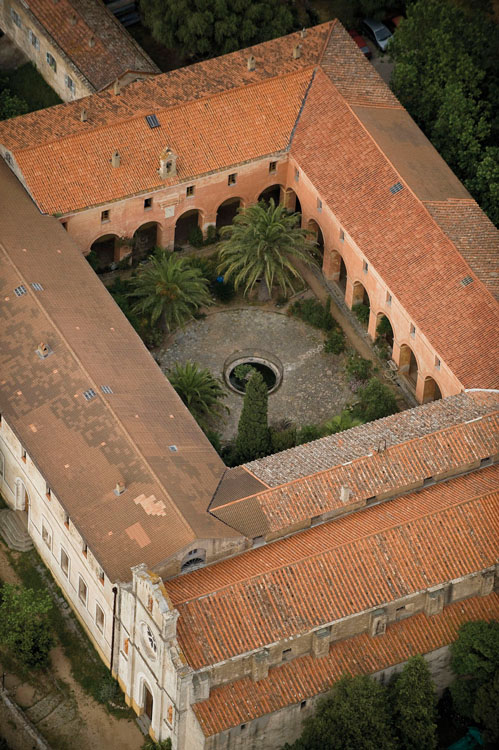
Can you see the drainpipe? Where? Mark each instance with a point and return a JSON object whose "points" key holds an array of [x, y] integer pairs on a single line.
{"points": [[115, 596]]}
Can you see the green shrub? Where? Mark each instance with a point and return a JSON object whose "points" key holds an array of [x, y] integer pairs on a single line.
{"points": [[308, 433], [223, 290], [24, 624], [361, 312], [195, 237], [335, 341], [312, 312], [214, 438], [359, 368], [211, 235], [376, 400], [282, 439], [150, 744], [93, 259], [384, 328]]}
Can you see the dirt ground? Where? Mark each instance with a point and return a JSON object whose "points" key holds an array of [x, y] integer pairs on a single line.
{"points": [[76, 720]]}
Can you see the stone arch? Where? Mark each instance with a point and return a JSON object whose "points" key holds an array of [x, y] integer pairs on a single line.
{"points": [[342, 273], [291, 201], [272, 191], [316, 231], [227, 211], [105, 248], [431, 390], [185, 224], [408, 365], [193, 559], [146, 698], [145, 239], [361, 301], [384, 328], [22, 496]]}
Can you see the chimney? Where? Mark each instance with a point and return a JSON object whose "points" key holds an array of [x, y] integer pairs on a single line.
{"points": [[344, 494], [251, 62], [303, 33], [83, 115], [117, 87], [116, 159], [297, 51], [167, 164], [120, 488], [43, 350]]}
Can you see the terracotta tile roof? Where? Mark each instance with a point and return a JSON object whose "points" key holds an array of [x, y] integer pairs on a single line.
{"points": [[355, 180], [330, 451], [73, 23], [84, 448], [473, 234], [244, 700], [210, 134], [394, 469], [198, 81], [348, 565]]}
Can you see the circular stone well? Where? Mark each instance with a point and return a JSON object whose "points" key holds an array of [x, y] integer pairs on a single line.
{"points": [[267, 364]]}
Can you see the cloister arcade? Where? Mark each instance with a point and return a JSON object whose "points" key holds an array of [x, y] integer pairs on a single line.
{"points": [[227, 211], [185, 225]]}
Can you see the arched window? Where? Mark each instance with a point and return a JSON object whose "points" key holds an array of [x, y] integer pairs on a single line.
{"points": [[193, 559]]}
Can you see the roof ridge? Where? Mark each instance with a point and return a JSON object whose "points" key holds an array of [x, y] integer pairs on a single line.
{"points": [[94, 384], [325, 550], [359, 458]]}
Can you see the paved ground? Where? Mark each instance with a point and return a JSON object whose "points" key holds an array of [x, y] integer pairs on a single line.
{"points": [[314, 385]]}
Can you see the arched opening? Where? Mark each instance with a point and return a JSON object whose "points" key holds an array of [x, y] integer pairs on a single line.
{"points": [[431, 391], [145, 239], [193, 559], [384, 336], [186, 226], [408, 365], [342, 276], [292, 202], [105, 251], [274, 191], [147, 702], [318, 250], [361, 304], [22, 497], [227, 211]]}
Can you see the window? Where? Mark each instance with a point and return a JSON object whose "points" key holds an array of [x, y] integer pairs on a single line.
{"points": [[272, 167], [319, 205], [47, 534], [99, 618], [100, 576], [8, 158], [297, 175], [64, 562], [15, 17], [33, 39], [303, 704], [286, 654], [70, 84], [189, 191], [149, 603], [342, 235], [242, 727], [105, 216], [413, 330], [64, 225], [388, 299], [365, 266], [82, 591], [84, 549], [437, 363], [23, 455], [147, 203], [51, 61], [66, 520], [232, 179]]}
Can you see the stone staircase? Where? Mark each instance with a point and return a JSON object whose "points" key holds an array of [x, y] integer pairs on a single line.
{"points": [[14, 529]]}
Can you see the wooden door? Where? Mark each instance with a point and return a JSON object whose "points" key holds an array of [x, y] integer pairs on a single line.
{"points": [[148, 703]]}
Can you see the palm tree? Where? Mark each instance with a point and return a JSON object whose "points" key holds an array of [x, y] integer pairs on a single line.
{"points": [[170, 290], [341, 422], [199, 390], [263, 242]]}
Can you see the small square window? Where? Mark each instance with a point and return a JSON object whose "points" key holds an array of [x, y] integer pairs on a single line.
{"points": [[51, 61], [99, 618], [243, 727], [286, 654], [413, 330], [105, 216], [66, 520], [297, 175], [100, 576], [15, 17], [64, 225], [437, 363], [388, 299], [33, 39], [48, 492], [147, 203], [189, 191], [342, 235], [84, 549], [365, 266], [303, 704], [272, 167], [319, 205], [232, 179], [23, 455], [82, 591], [69, 83], [64, 563]]}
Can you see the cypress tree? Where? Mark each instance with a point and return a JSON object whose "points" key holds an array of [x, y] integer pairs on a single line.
{"points": [[414, 706], [253, 434]]}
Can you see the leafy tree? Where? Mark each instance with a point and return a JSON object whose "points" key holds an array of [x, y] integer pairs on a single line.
{"points": [[11, 105], [263, 242], [169, 290], [199, 390], [204, 29], [475, 660], [485, 709], [376, 400], [359, 368], [344, 421], [253, 434], [446, 74], [354, 716], [414, 704], [335, 342], [24, 624]]}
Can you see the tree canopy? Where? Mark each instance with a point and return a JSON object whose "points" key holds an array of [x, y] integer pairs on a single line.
{"points": [[200, 391], [414, 703], [446, 75], [24, 624], [253, 434], [263, 242], [205, 28]]}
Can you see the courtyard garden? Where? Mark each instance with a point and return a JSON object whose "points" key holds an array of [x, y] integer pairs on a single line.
{"points": [[244, 340]]}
